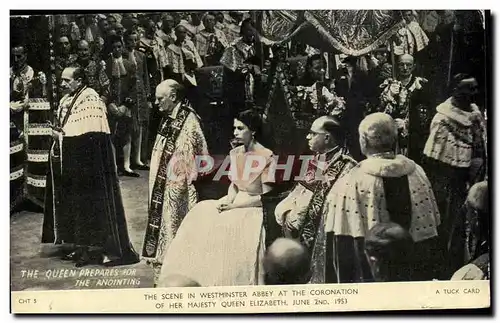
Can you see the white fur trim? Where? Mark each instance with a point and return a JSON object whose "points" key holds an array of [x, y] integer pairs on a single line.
{"points": [[357, 202], [397, 167]]}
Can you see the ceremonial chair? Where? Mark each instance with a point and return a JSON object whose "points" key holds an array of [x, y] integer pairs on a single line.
{"points": [[288, 125], [212, 110], [269, 202]]}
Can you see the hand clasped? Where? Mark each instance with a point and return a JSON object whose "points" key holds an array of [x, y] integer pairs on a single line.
{"points": [[224, 207]]}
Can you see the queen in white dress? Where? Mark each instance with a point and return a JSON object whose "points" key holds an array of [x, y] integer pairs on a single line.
{"points": [[221, 242]]}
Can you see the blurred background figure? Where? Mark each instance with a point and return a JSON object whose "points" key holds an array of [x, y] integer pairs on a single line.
{"points": [[477, 235], [389, 248], [286, 262]]}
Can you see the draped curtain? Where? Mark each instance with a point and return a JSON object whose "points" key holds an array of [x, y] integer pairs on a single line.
{"points": [[349, 32]]}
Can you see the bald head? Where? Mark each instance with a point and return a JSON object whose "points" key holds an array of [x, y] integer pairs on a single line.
{"points": [[83, 43], [383, 236], [167, 86], [71, 79], [168, 94], [69, 73], [377, 134], [180, 33], [390, 252], [478, 197], [406, 58], [331, 125], [320, 121], [178, 281], [286, 262], [325, 133], [180, 28]]}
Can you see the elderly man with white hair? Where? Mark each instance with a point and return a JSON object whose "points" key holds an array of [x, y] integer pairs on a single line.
{"points": [[171, 191], [385, 187]]}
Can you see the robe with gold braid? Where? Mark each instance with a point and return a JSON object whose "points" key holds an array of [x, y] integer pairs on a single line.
{"points": [[179, 139], [312, 232]]}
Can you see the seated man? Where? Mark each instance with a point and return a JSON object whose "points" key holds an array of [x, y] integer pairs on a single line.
{"points": [[324, 140], [301, 214], [385, 187]]}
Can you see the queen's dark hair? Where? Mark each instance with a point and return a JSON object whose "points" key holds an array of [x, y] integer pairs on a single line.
{"points": [[253, 120]]}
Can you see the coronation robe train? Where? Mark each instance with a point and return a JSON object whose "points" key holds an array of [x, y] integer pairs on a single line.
{"points": [[84, 203]]}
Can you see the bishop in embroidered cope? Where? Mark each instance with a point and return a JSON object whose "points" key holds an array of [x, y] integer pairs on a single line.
{"points": [[172, 193]]}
